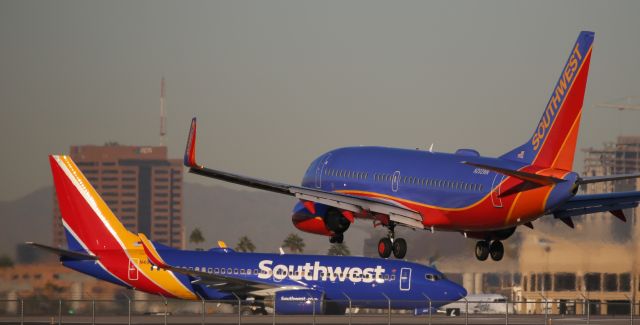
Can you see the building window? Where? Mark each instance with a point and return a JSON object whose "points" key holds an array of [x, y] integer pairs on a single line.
{"points": [[129, 179], [592, 281], [533, 282], [128, 186], [107, 163], [161, 179], [565, 281], [129, 171], [109, 171], [161, 171], [625, 282], [161, 194], [109, 179], [610, 282], [85, 163]]}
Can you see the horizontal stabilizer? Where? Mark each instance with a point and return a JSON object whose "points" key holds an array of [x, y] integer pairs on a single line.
{"points": [[593, 203], [529, 177], [598, 179], [64, 253]]}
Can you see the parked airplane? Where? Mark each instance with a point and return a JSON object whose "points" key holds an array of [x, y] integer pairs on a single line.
{"points": [[481, 197], [100, 246]]}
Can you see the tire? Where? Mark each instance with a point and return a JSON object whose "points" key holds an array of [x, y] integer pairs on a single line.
{"points": [[482, 250], [399, 248], [339, 238], [496, 250], [385, 247]]}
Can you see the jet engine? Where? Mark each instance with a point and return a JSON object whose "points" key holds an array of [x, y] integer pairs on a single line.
{"points": [[299, 302], [320, 219]]}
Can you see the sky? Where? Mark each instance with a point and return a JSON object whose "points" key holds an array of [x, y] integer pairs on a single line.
{"points": [[274, 84]]}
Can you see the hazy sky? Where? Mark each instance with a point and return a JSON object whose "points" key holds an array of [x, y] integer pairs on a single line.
{"points": [[276, 83]]}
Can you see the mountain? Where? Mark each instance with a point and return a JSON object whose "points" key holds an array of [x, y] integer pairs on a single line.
{"points": [[227, 214], [221, 213], [28, 218]]}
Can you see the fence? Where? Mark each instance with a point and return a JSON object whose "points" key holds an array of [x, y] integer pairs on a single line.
{"points": [[126, 311]]}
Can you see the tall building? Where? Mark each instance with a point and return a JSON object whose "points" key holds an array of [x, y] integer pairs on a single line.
{"points": [[621, 157], [140, 184]]}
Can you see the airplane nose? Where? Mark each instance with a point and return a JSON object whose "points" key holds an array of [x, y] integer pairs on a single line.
{"points": [[456, 291]]}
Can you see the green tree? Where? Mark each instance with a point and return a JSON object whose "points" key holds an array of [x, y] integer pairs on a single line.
{"points": [[339, 250], [6, 261], [294, 243], [196, 237], [245, 245]]}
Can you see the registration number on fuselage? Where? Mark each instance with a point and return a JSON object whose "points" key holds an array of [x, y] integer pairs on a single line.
{"points": [[481, 171]]}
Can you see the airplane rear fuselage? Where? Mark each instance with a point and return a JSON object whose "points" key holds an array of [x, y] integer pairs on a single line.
{"points": [[450, 194]]}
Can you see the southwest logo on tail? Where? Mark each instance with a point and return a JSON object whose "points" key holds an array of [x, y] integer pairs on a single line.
{"points": [[485, 198], [101, 247]]}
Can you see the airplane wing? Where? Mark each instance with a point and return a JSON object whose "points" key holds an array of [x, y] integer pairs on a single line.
{"points": [[397, 213], [593, 203], [231, 284]]}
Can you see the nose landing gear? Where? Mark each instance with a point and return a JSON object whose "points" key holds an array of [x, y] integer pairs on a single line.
{"points": [[390, 244]]}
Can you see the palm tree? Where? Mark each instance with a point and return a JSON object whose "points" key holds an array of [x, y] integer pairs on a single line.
{"points": [[245, 245], [196, 237], [339, 250], [294, 243]]}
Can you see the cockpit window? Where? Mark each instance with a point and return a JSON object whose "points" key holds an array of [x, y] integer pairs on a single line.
{"points": [[433, 277]]}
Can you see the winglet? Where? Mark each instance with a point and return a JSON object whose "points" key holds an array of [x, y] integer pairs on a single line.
{"points": [[222, 244], [151, 252], [190, 150]]}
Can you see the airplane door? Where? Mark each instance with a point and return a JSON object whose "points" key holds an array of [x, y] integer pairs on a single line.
{"points": [[395, 181], [320, 168], [405, 279], [132, 269], [495, 192]]}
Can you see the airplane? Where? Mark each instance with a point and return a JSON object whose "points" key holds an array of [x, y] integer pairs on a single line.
{"points": [[100, 246], [481, 197]]}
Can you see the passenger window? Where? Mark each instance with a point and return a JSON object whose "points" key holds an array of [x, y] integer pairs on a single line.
{"points": [[242, 271], [222, 271], [216, 270]]}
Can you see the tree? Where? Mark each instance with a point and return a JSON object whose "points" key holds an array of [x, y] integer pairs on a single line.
{"points": [[6, 261], [196, 237], [294, 243], [339, 250], [245, 245]]}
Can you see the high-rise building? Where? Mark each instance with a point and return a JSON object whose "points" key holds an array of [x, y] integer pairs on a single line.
{"points": [[140, 184], [621, 157]]}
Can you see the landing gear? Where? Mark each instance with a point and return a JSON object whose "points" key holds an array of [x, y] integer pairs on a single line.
{"points": [[484, 250], [399, 248], [385, 247], [496, 250], [337, 239], [390, 244]]}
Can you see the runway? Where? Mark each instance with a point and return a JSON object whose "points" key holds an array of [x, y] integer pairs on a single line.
{"points": [[360, 319]]}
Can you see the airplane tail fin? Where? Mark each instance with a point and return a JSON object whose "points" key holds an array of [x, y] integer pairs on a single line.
{"points": [[554, 140], [88, 222]]}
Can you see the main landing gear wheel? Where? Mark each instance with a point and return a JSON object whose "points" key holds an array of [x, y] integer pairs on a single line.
{"points": [[482, 250], [384, 247], [337, 239], [399, 248], [496, 250]]}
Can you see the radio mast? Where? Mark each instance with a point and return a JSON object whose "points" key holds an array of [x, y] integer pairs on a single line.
{"points": [[163, 116]]}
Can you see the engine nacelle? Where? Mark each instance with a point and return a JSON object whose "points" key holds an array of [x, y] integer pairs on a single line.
{"points": [[299, 302], [320, 219]]}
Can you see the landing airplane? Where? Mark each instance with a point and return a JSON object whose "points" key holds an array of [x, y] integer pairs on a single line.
{"points": [[481, 197], [100, 246]]}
